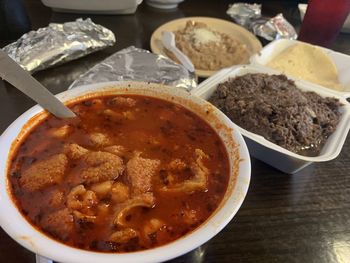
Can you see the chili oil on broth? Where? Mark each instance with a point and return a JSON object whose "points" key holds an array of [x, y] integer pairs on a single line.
{"points": [[183, 164]]}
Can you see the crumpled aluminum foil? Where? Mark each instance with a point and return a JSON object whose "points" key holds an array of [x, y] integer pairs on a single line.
{"points": [[273, 28], [59, 43], [135, 64], [249, 16], [243, 13]]}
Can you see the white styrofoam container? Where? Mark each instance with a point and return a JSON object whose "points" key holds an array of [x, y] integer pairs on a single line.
{"points": [[267, 151], [94, 6], [341, 61]]}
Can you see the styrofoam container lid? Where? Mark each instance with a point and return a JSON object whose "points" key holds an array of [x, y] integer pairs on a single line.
{"points": [[334, 143], [341, 61]]}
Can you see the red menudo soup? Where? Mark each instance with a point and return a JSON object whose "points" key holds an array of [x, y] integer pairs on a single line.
{"points": [[128, 173]]}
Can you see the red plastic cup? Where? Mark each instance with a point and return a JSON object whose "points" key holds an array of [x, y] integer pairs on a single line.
{"points": [[323, 20]]}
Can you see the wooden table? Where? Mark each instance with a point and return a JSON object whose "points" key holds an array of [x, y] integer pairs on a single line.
{"points": [[303, 217]]}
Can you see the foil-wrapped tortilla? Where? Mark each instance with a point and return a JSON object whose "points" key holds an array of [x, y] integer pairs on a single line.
{"points": [[273, 28], [135, 64], [243, 13], [249, 16], [59, 43]]}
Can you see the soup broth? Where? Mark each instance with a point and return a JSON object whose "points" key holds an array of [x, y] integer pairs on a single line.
{"points": [[128, 173]]}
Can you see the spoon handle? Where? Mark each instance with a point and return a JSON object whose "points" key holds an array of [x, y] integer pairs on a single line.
{"points": [[168, 40], [22, 80], [183, 59]]}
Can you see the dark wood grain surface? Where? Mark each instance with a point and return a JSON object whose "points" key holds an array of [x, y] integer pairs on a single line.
{"points": [[303, 217]]}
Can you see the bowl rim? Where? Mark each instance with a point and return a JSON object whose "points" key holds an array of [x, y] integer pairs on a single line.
{"points": [[12, 221]]}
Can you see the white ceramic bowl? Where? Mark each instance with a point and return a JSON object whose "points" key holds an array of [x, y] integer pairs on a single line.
{"points": [[268, 152], [24, 233], [164, 4], [94, 6]]}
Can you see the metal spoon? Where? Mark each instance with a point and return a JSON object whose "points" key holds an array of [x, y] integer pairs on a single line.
{"points": [[168, 40], [22, 80], [41, 259]]}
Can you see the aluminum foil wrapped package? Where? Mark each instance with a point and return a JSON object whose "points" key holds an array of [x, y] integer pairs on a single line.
{"points": [[135, 64], [243, 13], [273, 28], [59, 43], [249, 16]]}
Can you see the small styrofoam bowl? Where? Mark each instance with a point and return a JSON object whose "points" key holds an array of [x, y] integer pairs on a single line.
{"points": [[12, 221], [341, 61], [268, 152]]}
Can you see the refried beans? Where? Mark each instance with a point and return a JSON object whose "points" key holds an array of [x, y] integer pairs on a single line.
{"points": [[209, 49]]}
